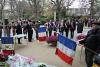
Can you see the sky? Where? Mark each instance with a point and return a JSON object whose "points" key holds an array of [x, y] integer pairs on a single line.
{"points": [[75, 4]]}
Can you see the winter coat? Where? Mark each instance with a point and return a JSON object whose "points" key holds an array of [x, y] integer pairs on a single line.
{"points": [[18, 29], [79, 27]]}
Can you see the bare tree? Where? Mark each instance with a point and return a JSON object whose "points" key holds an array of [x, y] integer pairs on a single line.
{"points": [[68, 3], [2, 5], [96, 8], [18, 8], [58, 4], [13, 4], [61, 5], [36, 6], [91, 8], [84, 7]]}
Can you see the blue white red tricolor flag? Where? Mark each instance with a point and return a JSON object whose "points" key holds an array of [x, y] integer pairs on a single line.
{"points": [[7, 45], [66, 49], [42, 33]]}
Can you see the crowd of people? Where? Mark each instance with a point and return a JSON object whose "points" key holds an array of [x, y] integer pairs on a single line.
{"points": [[67, 26], [20, 27], [61, 26]]}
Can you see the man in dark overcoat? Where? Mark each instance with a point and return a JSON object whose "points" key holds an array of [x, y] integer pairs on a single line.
{"points": [[19, 31]]}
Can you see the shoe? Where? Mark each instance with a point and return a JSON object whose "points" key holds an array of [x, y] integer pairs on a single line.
{"points": [[19, 43]]}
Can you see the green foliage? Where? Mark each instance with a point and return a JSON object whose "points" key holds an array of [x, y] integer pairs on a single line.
{"points": [[96, 17], [63, 12], [50, 17], [42, 18], [32, 17], [27, 15], [3, 64]]}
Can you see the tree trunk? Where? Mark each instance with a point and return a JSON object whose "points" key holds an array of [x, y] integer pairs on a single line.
{"points": [[0, 14], [91, 9]]}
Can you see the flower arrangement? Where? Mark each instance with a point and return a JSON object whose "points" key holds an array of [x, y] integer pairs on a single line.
{"points": [[41, 65]]}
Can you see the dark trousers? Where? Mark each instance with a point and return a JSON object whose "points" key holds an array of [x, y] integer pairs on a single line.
{"points": [[0, 34], [30, 37], [61, 30], [89, 58], [66, 31], [30, 32], [37, 35], [50, 32], [25, 34], [85, 23], [72, 33], [19, 41], [46, 33]]}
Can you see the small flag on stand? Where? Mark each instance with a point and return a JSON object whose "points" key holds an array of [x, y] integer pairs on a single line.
{"points": [[7, 45], [66, 49], [42, 33]]}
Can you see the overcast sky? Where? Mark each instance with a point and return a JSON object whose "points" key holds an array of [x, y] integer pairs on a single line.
{"points": [[75, 4]]}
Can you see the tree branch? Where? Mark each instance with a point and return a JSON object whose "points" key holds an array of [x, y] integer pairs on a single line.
{"points": [[69, 3], [53, 2]]}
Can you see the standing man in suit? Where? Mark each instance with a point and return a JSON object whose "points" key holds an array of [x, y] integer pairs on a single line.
{"points": [[30, 31], [80, 26], [61, 27], [66, 27], [72, 29], [19, 30], [50, 27]]}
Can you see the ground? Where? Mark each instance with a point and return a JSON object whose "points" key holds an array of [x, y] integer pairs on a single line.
{"points": [[43, 52]]}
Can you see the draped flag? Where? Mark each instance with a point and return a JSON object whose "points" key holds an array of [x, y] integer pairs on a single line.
{"points": [[66, 49], [42, 33], [7, 45]]}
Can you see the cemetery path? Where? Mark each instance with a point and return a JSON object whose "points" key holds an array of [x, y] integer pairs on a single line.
{"points": [[43, 52]]}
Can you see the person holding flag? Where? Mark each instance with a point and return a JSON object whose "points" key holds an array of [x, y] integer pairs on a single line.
{"points": [[92, 43]]}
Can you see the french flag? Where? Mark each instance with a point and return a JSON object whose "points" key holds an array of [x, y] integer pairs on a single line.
{"points": [[42, 33], [66, 49], [7, 45]]}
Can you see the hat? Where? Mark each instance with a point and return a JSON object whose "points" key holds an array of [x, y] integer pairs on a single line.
{"points": [[96, 23]]}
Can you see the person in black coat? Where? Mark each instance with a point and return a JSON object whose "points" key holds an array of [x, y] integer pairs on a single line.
{"points": [[14, 28], [61, 27], [80, 27], [72, 29], [50, 28], [30, 31], [19, 31], [25, 29], [92, 44], [66, 27]]}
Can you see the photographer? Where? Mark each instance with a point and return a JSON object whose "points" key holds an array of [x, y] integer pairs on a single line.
{"points": [[92, 43]]}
